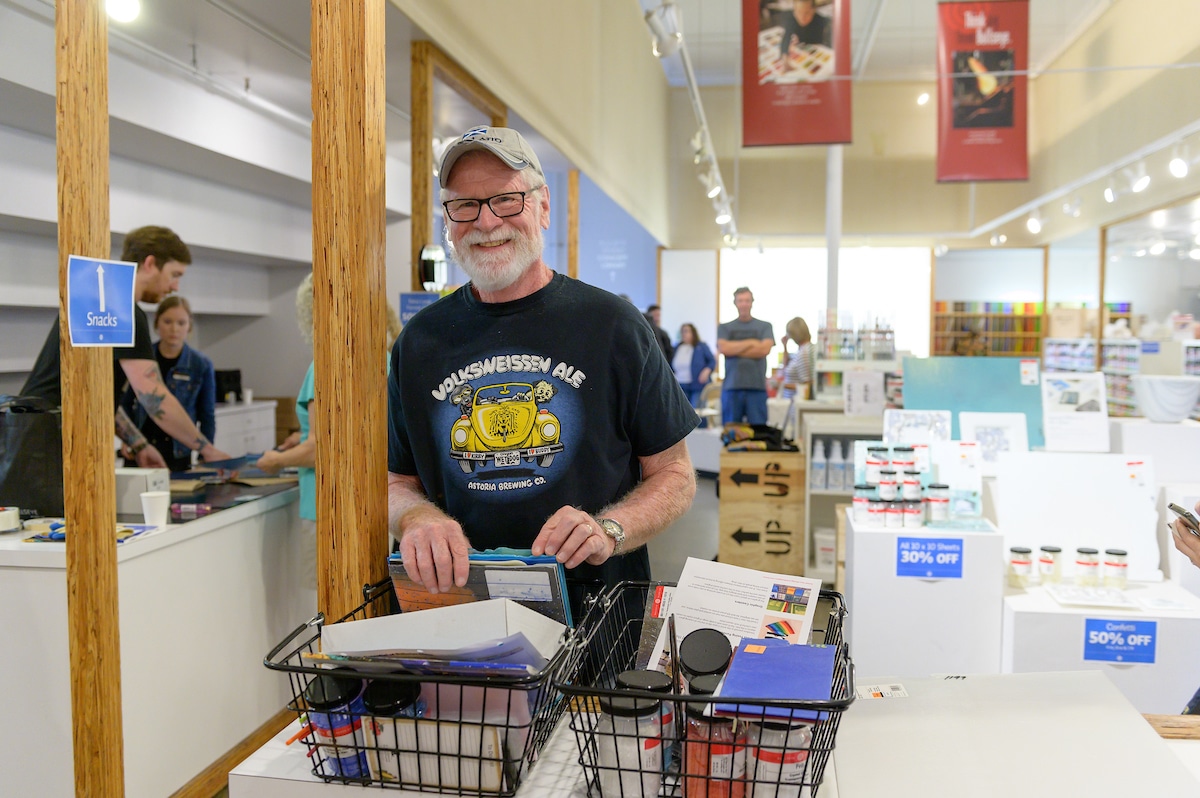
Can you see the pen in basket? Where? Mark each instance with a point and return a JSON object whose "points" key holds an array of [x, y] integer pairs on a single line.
{"points": [[676, 674]]}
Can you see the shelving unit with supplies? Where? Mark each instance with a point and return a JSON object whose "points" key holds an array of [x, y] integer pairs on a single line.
{"points": [[828, 374], [1069, 354], [1191, 366], [1122, 358], [1007, 329]]}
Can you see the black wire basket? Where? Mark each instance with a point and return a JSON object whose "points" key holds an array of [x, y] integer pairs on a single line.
{"points": [[448, 733], [773, 749]]}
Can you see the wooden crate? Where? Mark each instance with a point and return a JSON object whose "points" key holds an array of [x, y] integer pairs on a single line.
{"points": [[764, 535], [762, 476]]}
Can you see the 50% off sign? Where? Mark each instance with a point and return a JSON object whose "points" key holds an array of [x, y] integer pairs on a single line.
{"points": [[929, 558], [1108, 640]]}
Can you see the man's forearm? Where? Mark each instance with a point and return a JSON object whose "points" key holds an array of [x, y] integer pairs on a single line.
{"points": [[129, 434], [164, 409], [404, 496], [655, 502]]}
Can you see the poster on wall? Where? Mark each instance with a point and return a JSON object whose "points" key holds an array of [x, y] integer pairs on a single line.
{"points": [[795, 72], [983, 54]]}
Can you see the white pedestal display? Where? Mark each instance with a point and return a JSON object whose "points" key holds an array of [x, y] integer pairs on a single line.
{"points": [[913, 626]]}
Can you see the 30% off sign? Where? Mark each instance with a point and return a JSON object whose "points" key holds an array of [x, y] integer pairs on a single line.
{"points": [[929, 558]]}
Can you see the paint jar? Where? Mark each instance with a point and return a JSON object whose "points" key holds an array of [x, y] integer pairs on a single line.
{"points": [[1087, 567], [914, 515], [910, 488], [655, 682], [703, 652], [877, 513], [387, 698], [894, 514], [335, 712], [714, 758], [629, 746], [887, 484], [1020, 566], [937, 496], [861, 513], [1115, 568], [1050, 565], [903, 459], [776, 756], [877, 458]]}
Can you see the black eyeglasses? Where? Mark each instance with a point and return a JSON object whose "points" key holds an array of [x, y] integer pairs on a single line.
{"points": [[502, 205]]}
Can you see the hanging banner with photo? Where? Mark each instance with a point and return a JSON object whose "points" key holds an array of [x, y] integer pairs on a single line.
{"points": [[795, 72], [982, 104]]}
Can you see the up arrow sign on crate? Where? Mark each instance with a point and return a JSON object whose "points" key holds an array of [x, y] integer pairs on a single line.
{"points": [[100, 301]]}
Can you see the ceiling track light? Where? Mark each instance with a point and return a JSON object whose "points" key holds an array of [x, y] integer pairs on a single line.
{"points": [[1158, 248], [1034, 223], [1073, 207], [665, 30], [1139, 181], [999, 239]]}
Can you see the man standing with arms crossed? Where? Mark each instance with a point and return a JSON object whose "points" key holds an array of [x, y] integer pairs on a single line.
{"points": [[745, 343], [527, 409]]}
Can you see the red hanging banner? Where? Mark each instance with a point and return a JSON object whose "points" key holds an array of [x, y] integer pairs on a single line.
{"points": [[983, 54], [795, 72]]}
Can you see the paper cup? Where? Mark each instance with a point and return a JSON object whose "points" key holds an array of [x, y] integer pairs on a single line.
{"points": [[247, 395], [156, 507]]}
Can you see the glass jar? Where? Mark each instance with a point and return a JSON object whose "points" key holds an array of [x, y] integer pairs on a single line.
{"points": [[910, 489], [629, 747], [1087, 566], [903, 459], [703, 652], [1020, 566], [714, 749], [894, 514], [877, 458], [863, 493], [887, 484], [877, 513], [655, 682], [1050, 565], [1115, 568], [335, 712], [776, 755], [937, 496], [914, 515]]}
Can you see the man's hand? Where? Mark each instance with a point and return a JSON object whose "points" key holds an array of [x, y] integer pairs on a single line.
{"points": [[573, 537], [149, 457], [434, 549], [271, 462]]}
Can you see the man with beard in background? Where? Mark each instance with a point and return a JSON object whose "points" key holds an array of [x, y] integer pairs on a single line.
{"points": [[587, 467]]}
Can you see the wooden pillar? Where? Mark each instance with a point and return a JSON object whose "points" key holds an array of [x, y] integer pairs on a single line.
{"points": [[573, 223], [429, 63], [89, 490], [350, 425]]}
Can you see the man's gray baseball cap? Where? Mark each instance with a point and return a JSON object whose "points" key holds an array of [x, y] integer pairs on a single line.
{"points": [[505, 143]]}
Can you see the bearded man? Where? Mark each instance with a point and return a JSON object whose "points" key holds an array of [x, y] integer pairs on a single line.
{"points": [[588, 476]]}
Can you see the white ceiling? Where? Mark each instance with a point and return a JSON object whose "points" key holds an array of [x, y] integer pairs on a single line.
{"points": [[258, 49]]}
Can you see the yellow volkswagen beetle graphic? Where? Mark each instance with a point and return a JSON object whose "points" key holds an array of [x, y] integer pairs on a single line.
{"points": [[503, 424]]}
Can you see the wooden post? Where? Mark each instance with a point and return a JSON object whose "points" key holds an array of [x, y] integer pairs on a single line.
{"points": [[573, 223], [350, 425], [429, 63], [89, 486]]}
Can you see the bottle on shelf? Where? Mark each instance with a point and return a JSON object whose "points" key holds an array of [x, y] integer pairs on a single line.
{"points": [[817, 473], [835, 467]]}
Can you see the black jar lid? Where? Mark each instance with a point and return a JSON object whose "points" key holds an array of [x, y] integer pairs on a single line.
{"points": [[702, 686], [1085, 550], [651, 681], [705, 651], [902, 449], [327, 691], [388, 697], [1051, 549], [877, 448], [1116, 552], [863, 486], [939, 486], [628, 706], [1020, 549]]}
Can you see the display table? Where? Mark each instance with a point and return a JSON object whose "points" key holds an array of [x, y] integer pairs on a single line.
{"points": [[917, 626], [1042, 635], [1045, 735], [705, 447], [1172, 447], [200, 604]]}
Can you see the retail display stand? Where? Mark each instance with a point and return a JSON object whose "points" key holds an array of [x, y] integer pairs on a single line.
{"points": [[1042, 635], [1175, 448], [820, 503], [914, 626]]}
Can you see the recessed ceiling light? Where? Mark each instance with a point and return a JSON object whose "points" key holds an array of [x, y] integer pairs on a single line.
{"points": [[123, 10]]}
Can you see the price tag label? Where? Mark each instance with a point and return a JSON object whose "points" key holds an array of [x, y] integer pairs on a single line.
{"points": [[1120, 640], [929, 558]]}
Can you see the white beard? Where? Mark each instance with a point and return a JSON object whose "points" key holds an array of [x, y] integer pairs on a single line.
{"points": [[495, 272]]}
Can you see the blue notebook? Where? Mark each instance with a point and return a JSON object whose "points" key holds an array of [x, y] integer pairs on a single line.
{"points": [[772, 669]]}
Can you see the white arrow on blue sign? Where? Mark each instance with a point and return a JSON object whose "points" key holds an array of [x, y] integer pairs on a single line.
{"points": [[100, 301]]}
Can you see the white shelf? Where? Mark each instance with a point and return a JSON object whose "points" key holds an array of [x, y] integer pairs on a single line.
{"points": [[1127, 402], [812, 492]]}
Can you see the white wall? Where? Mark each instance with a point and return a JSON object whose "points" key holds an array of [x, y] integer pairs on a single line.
{"points": [[1155, 286], [989, 275], [1075, 271], [688, 282]]}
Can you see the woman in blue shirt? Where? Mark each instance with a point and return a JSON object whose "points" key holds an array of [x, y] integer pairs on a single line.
{"points": [[188, 375], [693, 363]]}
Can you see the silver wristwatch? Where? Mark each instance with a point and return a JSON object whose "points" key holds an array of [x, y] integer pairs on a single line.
{"points": [[615, 531]]}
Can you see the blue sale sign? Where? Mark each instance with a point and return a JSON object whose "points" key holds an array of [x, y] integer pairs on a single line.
{"points": [[1120, 640], [410, 303], [100, 301], [929, 558]]}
